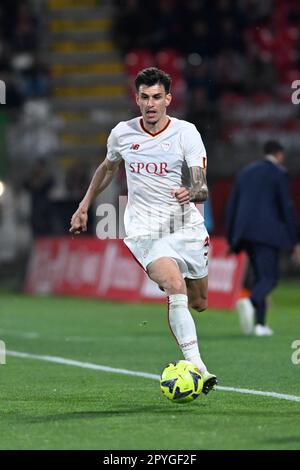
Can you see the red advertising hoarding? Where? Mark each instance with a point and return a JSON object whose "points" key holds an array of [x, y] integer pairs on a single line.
{"points": [[90, 267]]}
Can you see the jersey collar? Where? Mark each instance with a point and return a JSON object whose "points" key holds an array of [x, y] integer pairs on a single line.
{"points": [[156, 133]]}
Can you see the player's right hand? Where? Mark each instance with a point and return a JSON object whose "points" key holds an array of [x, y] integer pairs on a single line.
{"points": [[79, 222]]}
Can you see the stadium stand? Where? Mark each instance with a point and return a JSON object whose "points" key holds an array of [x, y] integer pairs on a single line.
{"points": [[235, 74]]}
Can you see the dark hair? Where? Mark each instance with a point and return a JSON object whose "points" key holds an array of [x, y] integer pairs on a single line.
{"points": [[272, 147], [151, 76]]}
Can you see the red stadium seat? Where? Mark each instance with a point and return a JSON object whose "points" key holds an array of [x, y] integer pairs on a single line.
{"points": [[135, 61], [170, 61], [138, 59], [289, 75], [179, 90]]}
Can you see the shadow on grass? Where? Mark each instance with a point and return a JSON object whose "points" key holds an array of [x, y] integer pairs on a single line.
{"points": [[284, 440], [175, 410]]}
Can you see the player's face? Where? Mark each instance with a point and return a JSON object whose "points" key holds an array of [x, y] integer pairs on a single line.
{"points": [[153, 102]]}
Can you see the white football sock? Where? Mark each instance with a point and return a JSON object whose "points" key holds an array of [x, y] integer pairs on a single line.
{"points": [[183, 328]]}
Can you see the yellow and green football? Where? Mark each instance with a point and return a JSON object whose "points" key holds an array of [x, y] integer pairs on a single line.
{"points": [[181, 382]]}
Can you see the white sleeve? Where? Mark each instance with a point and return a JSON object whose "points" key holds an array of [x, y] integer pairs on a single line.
{"points": [[113, 153], [193, 147]]}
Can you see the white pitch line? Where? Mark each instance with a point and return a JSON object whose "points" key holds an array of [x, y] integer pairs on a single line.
{"points": [[146, 375], [83, 365], [281, 396]]}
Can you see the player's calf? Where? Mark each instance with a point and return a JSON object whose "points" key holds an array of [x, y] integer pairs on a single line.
{"points": [[199, 305], [197, 293]]}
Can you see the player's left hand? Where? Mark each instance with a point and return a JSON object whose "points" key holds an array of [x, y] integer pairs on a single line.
{"points": [[181, 194]]}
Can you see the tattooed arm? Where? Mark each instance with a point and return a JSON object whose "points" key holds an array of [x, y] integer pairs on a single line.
{"points": [[199, 189], [198, 192]]}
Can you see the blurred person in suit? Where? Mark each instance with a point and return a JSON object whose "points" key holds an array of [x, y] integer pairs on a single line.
{"points": [[261, 222], [39, 185]]}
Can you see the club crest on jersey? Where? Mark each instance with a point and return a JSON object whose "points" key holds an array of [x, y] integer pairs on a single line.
{"points": [[135, 147], [165, 145]]}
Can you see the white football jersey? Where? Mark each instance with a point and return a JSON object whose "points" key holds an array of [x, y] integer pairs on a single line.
{"points": [[155, 165]]}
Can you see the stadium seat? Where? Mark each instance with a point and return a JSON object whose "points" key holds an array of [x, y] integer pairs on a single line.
{"points": [[170, 61], [135, 61], [179, 92], [289, 75], [138, 59]]}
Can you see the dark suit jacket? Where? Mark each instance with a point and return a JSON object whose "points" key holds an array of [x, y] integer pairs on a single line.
{"points": [[260, 208]]}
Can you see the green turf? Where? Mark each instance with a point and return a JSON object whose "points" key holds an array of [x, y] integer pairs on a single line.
{"points": [[50, 406]]}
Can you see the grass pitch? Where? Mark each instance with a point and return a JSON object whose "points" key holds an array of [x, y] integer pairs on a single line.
{"points": [[51, 406]]}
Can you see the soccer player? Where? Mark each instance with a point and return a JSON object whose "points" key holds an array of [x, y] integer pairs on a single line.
{"points": [[165, 162]]}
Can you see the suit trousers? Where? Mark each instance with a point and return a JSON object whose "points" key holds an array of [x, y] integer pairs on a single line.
{"points": [[264, 260]]}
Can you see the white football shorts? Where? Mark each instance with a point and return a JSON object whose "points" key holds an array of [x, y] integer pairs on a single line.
{"points": [[189, 248]]}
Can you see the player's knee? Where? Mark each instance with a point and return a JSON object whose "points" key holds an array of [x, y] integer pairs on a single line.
{"points": [[175, 285], [200, 304]]}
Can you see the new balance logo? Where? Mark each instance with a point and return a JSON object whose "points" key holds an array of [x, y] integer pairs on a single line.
{"points": [[135, 147]]}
